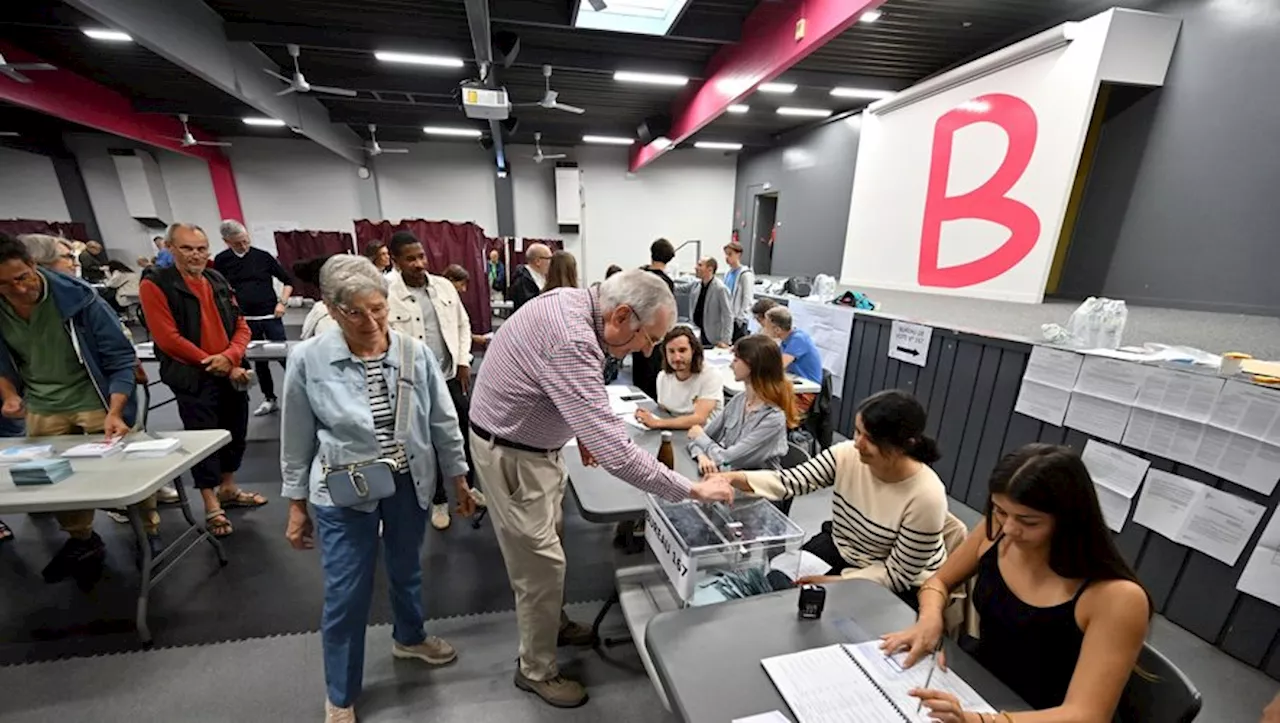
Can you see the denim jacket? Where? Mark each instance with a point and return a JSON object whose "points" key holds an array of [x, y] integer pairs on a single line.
{"points": [[325, 418]]}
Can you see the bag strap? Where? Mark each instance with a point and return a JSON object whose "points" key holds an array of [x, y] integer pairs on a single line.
{"points": [[404, 386]]}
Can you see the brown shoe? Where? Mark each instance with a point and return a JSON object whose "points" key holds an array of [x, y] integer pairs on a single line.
{"points": [[432, 651], [575, 634], [334, 714], [558, 691]]}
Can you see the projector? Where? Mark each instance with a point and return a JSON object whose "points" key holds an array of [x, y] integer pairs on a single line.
{"points": [[485, 103]]}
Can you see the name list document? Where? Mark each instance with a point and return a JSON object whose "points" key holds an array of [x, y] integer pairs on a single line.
{"points": [[1047, 384], [1261, 576], [1211, 521], [860, 684]]}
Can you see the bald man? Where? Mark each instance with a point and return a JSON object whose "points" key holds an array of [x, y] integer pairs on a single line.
{"points": [[531, 277]]}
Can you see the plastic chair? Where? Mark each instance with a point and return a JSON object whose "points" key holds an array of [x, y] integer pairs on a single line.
{"points": [[1160, 693]]}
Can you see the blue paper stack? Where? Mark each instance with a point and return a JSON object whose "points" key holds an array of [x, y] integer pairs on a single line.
{"points": [[40, 472]]}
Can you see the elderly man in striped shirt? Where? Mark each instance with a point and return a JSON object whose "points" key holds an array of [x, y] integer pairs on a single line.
{"points": [[542, 386]]}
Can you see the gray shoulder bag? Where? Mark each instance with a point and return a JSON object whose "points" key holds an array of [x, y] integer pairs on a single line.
{"points": [[355, 484]]}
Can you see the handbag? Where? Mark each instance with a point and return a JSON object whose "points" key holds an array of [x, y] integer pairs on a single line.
{"points": [[361, 482]]}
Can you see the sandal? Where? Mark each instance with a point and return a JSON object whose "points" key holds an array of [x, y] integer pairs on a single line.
{"points": [[217, 524], [243, 498], [6, 534]]}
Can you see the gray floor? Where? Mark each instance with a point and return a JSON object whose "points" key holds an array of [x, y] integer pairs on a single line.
{"points": [[1213, 332]]}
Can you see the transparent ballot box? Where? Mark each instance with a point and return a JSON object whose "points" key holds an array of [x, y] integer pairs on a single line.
{"points": [[716, 552]]}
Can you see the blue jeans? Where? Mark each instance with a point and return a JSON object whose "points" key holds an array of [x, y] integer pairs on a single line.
{"points": [[348, 553]]}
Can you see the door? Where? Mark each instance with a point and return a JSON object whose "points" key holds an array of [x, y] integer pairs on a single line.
{"points": [[762, 233]]}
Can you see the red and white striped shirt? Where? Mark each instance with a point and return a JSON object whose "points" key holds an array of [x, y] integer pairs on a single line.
{"points": [[542, 383]]}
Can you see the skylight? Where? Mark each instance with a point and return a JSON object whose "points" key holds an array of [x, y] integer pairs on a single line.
{"points": [[642, 17]]}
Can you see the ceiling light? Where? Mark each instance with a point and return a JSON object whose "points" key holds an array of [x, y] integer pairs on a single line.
{"points": [[627, 76], [717, 146], [455, 132], [808, 112], [439, 61], [739, 108], [871, 16], [267, 122], [113, 36], [662, 143], [608, 140], [777, 88], [861, 93], [643, 17], [8, 134]]}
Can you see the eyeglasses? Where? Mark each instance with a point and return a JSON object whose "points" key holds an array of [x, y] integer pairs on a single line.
{"points": [[652, 342], [67, 257], [188, 250], [374, 314]]}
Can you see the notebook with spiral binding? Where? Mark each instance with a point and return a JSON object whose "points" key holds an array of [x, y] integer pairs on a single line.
{"points": [[859, 684]]}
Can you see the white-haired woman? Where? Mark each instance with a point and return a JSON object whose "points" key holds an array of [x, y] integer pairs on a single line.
{"points": [[362, 404], [51, 252]]}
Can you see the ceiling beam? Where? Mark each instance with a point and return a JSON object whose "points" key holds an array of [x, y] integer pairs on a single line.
{"points": [[482, 45], [190, 34], [769, 47], [531, 56]]}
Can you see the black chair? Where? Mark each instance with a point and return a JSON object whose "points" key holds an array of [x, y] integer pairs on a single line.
{"points": [[1159, 693], [796, 455], [818, 420]]}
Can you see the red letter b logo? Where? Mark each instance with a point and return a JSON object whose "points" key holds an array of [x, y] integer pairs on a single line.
{"points": [[988, 201]]}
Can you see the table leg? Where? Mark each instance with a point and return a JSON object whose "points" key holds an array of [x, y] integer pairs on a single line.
{"points": [[185, 505], [595, 625], [144, 585]]}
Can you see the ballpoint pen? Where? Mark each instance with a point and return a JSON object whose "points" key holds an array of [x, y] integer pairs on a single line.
{"points": [[932, 667]]}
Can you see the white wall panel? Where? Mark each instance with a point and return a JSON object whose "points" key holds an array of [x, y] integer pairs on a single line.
{"points": [[29, 188]]}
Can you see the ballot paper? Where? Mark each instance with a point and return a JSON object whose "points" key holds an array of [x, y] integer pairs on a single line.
{"points": [[1163, 435], [1180, 394], [1211, 521], [1241, 459], [1111, 379], [1047, 384], [1250, 410], [798, 564], [1261, 576], [1097, 416]]}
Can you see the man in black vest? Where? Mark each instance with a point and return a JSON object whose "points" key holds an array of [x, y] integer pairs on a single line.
{"points": [[200, 340]]}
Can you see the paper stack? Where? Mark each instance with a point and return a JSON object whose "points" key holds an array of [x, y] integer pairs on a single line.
{"points": [[151, 448], [40, 472], [26, 453], [96, 449]]}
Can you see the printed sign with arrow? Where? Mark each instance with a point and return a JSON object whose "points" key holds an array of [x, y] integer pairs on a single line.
{"points": [[910, 343]]}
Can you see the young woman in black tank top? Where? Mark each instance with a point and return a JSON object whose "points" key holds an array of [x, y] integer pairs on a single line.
{"points": [[1062, 617]]}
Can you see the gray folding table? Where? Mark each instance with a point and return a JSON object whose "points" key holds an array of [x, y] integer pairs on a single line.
{"points": [[120, 482], [708, 658]]}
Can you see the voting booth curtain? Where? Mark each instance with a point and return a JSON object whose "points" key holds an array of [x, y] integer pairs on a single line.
{"points": [[72, 230], [294, 246], [446, 243]]}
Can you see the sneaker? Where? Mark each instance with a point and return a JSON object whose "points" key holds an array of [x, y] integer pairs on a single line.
{"points": [[334, 714], [432, 651], [167, 495], [575, 634], [76, 556], [267, 407], [117, 516], [479, 497], [440, 516], [558, 691]]}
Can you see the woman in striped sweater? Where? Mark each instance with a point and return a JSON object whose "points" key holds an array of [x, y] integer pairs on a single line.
{"points": [[889, 506]]}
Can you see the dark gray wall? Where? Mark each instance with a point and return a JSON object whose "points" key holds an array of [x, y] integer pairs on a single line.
{"points": [[813, 176], [1180, 208]]}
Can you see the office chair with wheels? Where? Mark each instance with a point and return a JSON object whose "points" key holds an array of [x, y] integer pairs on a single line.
{"points": [[1160, 692]]}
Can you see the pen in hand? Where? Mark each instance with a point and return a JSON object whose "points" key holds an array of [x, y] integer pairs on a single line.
{"points": [[933, 665]]}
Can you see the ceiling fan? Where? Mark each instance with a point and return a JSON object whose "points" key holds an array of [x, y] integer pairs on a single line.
{"points": [[549, 98], [187, 140], [11, 69], [374, 150], [539, 156], [298, 83]]}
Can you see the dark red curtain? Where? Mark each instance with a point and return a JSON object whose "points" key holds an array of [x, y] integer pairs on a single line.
{"points": [[72, 230], [446, 243], [294, 246]]}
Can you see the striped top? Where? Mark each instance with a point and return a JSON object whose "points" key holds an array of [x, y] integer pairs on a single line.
{"points": [[384, 415], [890, 533], [542, 385]]}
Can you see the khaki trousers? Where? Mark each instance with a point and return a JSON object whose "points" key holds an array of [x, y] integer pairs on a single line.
{"points": [[524, 492], [79, 523]]}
